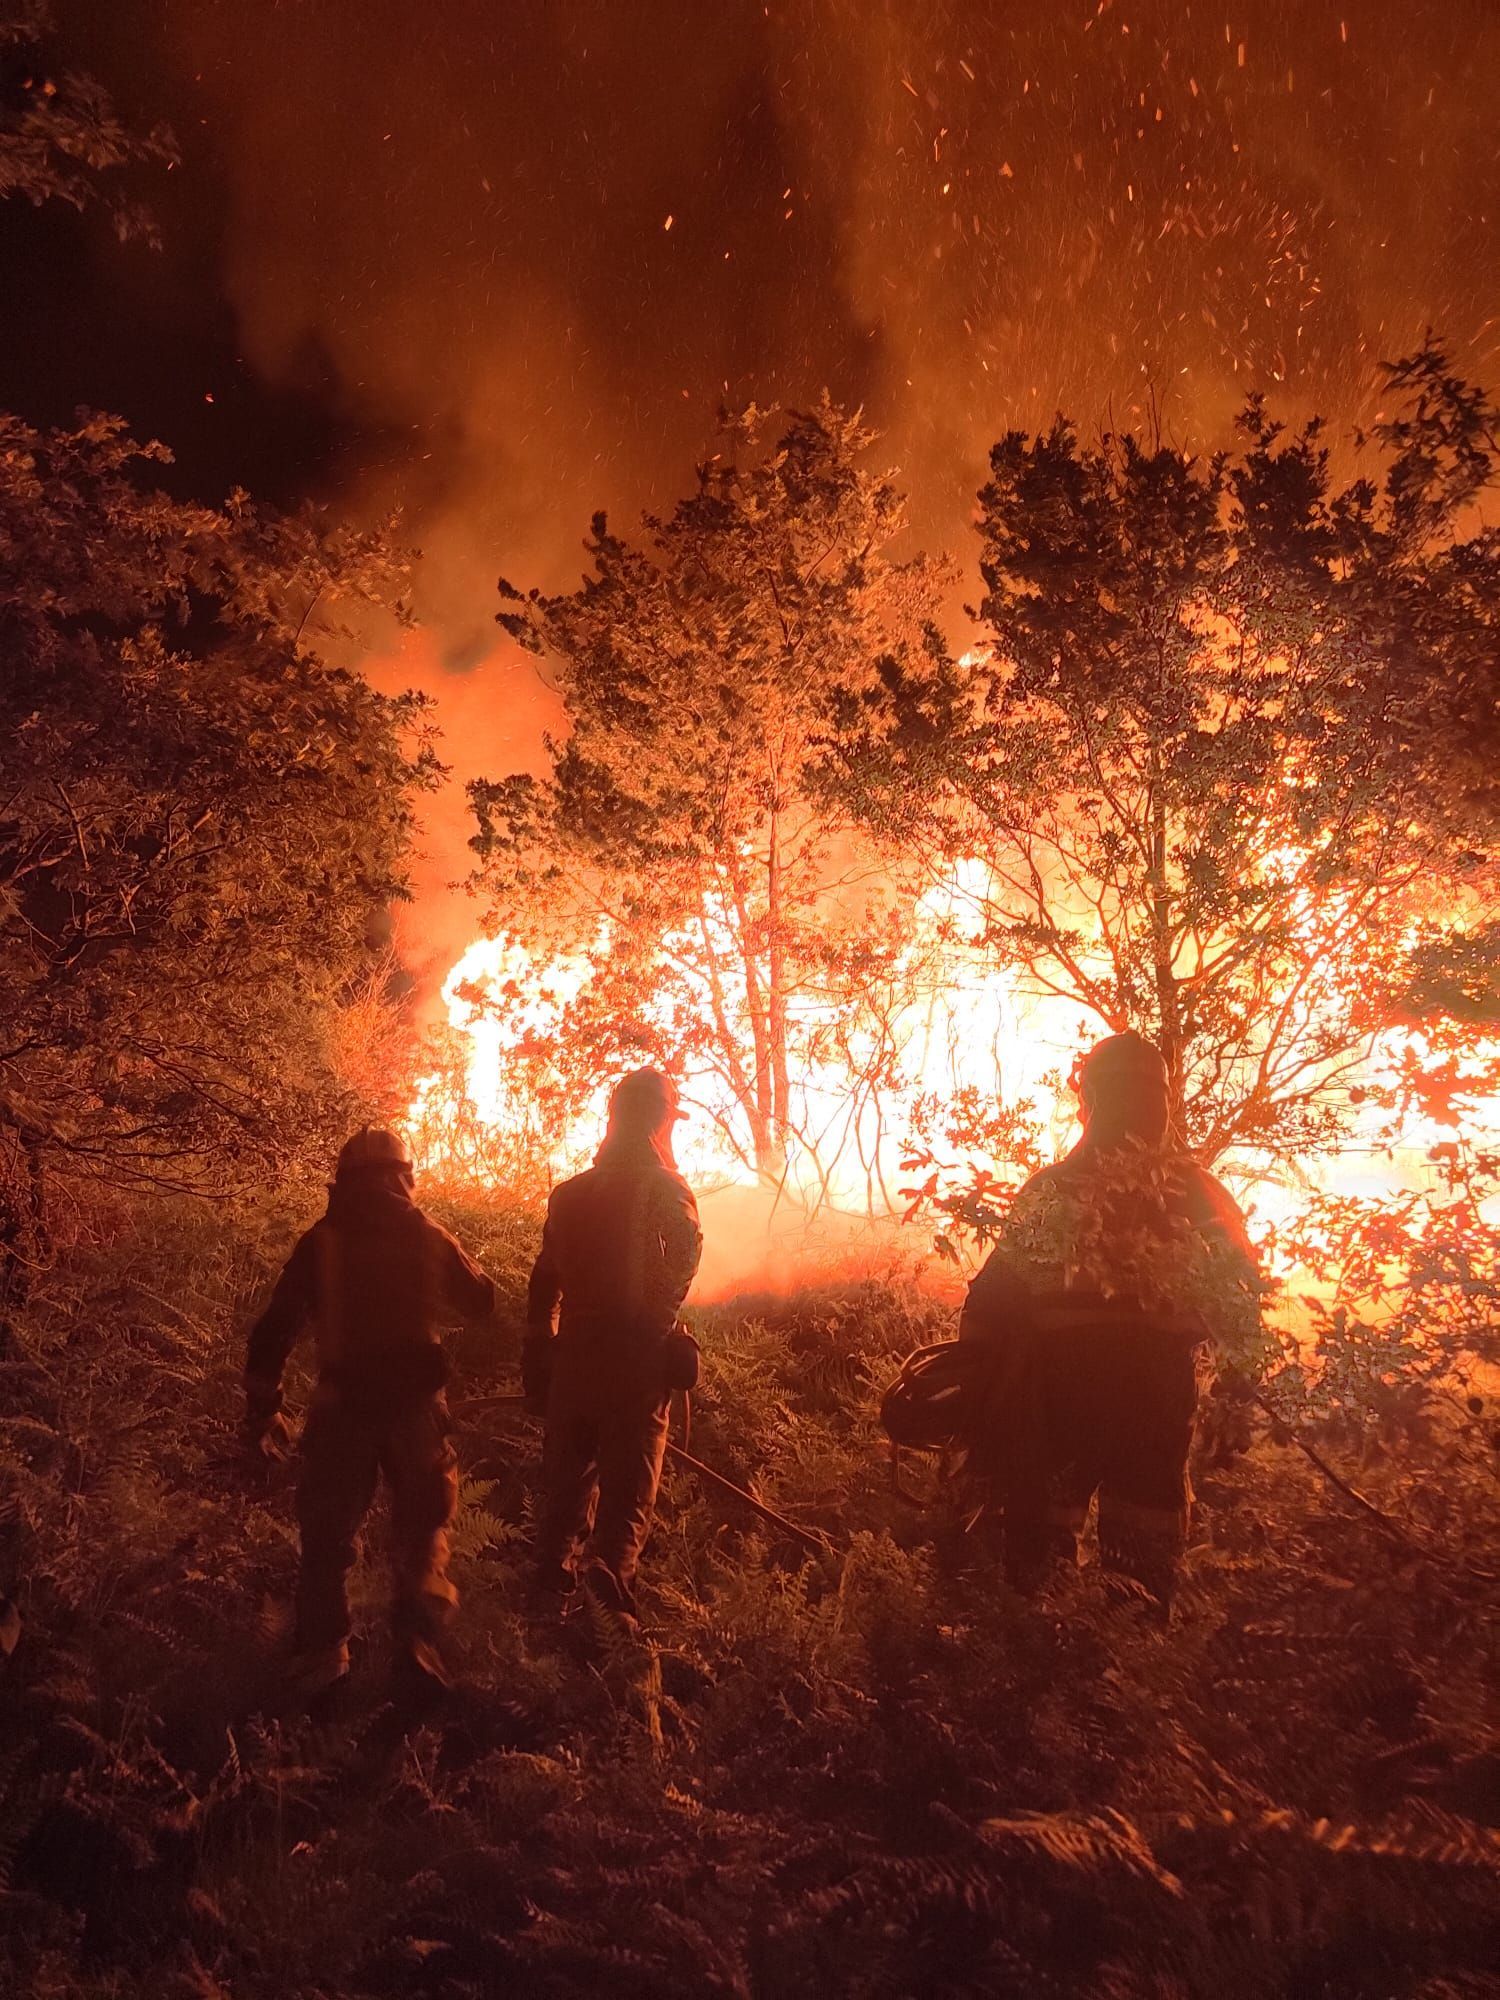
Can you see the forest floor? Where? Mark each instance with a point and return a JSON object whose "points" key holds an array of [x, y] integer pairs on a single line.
{"points": [[874, 1772]]}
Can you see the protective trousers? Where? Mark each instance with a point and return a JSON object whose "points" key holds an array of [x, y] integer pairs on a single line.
{"points": [[601, 1466], [344, 1452], [1118, 1415]]}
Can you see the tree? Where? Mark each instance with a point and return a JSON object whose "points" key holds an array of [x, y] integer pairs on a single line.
{"points": [[1401, 1296], [61, 138], [1222, 754], [200, 822], [678, 843]]}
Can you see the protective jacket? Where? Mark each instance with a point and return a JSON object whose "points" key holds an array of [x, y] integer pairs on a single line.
{"points": [[619, 1250], [376, 1278], [1113, 1268]]}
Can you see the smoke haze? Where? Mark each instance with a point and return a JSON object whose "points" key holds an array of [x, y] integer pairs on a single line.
{"points": [[525, 251]]}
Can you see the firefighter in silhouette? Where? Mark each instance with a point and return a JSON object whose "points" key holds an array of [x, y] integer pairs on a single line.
{"points": [[619, 1251], [376, 1279], [1112, 1270]]}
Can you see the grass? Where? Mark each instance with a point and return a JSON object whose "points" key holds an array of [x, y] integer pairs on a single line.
{"points": [[872, 1773]]}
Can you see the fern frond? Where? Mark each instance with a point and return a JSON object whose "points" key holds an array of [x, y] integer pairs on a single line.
{"points": [[1086, 1841]]}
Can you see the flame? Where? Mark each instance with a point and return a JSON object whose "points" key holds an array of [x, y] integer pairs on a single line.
{"points": [[953, 1027], [952, 1024], [500, 1110]]}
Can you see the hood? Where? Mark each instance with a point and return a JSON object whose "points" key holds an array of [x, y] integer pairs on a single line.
{"points": [[637, 1151], [365, 1202]]}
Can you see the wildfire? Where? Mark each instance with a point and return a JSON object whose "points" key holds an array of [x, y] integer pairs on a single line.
{"points": [[951, 1026], [948, 1025]]}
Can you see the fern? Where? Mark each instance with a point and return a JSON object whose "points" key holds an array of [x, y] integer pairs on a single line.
{"points": [[475, 1529], [1088, 1842], [875, 1773]]}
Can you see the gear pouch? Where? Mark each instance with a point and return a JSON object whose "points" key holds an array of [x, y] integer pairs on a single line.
{"points": [[680, 1356]]}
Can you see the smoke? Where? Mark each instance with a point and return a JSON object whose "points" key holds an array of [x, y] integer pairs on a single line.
{"points": [[492, 720], [532, 248], [756, 1246]]}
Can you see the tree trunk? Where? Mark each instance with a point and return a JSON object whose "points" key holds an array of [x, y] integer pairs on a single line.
{"points": [[761, 1107], [781, 1109], [1168, 998]]}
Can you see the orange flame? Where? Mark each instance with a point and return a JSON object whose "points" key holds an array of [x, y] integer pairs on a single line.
{"points": [[958, 1024]]}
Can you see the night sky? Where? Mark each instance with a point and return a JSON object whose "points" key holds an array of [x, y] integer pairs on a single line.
{"points": [[499, 264]]}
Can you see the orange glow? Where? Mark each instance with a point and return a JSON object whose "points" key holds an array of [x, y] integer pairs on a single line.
{"points": [[951, 1021], [947, 1022]]}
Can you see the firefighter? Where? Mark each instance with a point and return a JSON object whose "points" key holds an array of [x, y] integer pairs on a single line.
{"points": [[1112, 1270], [376, 1278], [619, 1250]]}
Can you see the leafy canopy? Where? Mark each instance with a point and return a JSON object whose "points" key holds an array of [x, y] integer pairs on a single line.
{"points": [[200, 821], [61, 138], [680, 839], [1224, 751]]}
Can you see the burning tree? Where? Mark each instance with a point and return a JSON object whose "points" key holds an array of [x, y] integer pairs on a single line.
{"points": [[1222, 755], [680, 845]]}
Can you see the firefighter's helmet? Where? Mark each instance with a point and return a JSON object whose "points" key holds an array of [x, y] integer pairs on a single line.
{"points": [[373, 1148]]}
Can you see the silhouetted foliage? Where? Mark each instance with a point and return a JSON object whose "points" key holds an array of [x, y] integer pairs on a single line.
{"points": [[1229, 753], [677, 842], [201, 822], [61, 138]]}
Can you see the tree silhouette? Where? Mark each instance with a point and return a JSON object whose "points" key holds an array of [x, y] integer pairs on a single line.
{"points": [[1229, 752], [680, 839]]}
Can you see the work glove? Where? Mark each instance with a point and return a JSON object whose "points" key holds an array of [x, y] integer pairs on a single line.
{"points": [[267, 1438]]}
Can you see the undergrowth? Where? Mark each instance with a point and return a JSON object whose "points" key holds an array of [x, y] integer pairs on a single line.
{"points": [[873, 1772]]}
